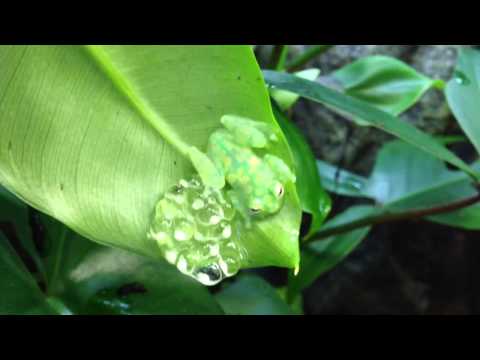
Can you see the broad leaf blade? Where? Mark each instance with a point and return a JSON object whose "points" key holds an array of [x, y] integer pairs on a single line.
{"points": [[384, 82], [94, 136], [380, 119]]}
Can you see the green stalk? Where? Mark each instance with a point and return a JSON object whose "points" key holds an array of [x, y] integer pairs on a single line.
{"points": [[306, 56], [389, 216], [278, 57]]}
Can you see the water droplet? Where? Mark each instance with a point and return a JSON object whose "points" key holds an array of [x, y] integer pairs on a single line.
{"points": [[461, 78], [209, 275], [358, 185]]}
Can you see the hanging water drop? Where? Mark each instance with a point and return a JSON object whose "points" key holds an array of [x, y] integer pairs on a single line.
{"points": [[209, 275], [461, 78]]}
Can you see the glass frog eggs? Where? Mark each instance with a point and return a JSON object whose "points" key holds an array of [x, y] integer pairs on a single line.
{"points": [[196, 229]]}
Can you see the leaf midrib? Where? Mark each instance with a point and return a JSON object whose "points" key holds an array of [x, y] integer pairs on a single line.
{"points": [[124, 87]]}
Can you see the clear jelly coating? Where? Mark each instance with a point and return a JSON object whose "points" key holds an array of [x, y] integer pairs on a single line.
{"points": [[196, 229]]}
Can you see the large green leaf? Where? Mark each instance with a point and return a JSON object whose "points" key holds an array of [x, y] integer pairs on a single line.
{"points": [[319, 257], [463, 94], [378, 118], [384, 82], [313, 197], [406, 178], [251, 295], [19, 291], [93, 136]]}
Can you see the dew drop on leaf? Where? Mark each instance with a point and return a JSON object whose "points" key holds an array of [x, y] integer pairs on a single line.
{"points": [[461, 78]]}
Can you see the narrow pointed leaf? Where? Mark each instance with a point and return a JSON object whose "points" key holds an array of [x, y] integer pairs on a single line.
{"points": [[286, 99], [378, 118], [313, 197]]}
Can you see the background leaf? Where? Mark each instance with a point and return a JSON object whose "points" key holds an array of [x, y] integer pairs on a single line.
{"points": [[313, 198], [93, 136], [380, 119], [15, 218], [19, 291], [321, 256], [341, 181], [406, 178], [384, 82], [251, 295], [463, 94]]}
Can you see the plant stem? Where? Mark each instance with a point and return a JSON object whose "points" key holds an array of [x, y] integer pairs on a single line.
{"points": [[388, 216], [306, 56], [278, 57]]}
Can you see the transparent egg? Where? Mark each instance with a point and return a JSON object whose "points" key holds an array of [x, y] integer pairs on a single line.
{"points": [[195, 228]]}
